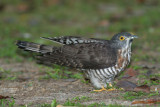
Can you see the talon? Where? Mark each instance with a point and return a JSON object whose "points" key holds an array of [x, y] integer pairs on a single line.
{"points": [[103, 89], [111, 89]]}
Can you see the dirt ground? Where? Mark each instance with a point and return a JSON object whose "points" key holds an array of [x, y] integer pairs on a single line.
{"points": [[29, 89]]}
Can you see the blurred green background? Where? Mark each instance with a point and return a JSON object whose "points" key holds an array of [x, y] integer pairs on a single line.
{"points": [[30, 19]]}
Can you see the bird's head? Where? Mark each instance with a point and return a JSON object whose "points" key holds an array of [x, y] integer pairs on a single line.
{"points": [[124, 39]]}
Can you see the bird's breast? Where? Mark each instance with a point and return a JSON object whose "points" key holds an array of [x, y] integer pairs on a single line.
{"points": [[123, 58]]}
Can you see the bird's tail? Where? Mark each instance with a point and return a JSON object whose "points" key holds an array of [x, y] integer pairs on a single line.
{"points": [[34, 47]]}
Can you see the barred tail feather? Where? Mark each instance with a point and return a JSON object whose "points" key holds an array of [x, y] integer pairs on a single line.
{"points": [[34, 47], [67, 40]]}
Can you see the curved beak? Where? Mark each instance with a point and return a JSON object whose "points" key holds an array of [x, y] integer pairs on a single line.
{"points": [[134, 36]]}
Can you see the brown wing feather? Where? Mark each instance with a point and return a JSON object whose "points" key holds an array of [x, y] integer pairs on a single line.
{"points": [[84, 56]]}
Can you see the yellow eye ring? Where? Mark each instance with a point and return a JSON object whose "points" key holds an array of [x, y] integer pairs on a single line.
{"points": [[121, 38]]}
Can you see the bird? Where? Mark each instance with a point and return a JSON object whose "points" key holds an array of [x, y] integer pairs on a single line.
{"points": [[100, 60]]}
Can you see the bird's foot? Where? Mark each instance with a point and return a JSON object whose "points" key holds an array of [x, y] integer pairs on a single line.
{"points": [[104, 89]]}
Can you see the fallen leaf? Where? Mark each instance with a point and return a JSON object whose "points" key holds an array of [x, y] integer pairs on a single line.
{"points": [[149, 101], [23, 7], [144, 88], [116, 18], [21, 79], [2, 6], [104, 23], [154, 79], [131, 72], [126, 85], [129, 10], [4, 97]]}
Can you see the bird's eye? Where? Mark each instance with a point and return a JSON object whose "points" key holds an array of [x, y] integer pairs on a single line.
{"points": [[121, 38]]}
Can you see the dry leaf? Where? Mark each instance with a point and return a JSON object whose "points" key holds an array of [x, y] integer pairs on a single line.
{"points": [[131, 72], [149, 101], [144, 88], [4, 97], [126, 85], [154, 79], [23, 7], [104, 23]]}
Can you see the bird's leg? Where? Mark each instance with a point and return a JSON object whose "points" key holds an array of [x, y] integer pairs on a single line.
{"points": [[104, 89]]}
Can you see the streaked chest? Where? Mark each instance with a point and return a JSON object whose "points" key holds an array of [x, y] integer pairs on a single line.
{"points": [[124, 56]]}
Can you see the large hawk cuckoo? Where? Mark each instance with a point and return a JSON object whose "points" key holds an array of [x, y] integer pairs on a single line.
{"points": [[100, 60]]}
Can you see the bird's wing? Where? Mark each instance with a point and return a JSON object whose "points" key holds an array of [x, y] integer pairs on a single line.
{"points": [[67, 40], [83, 56]]}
